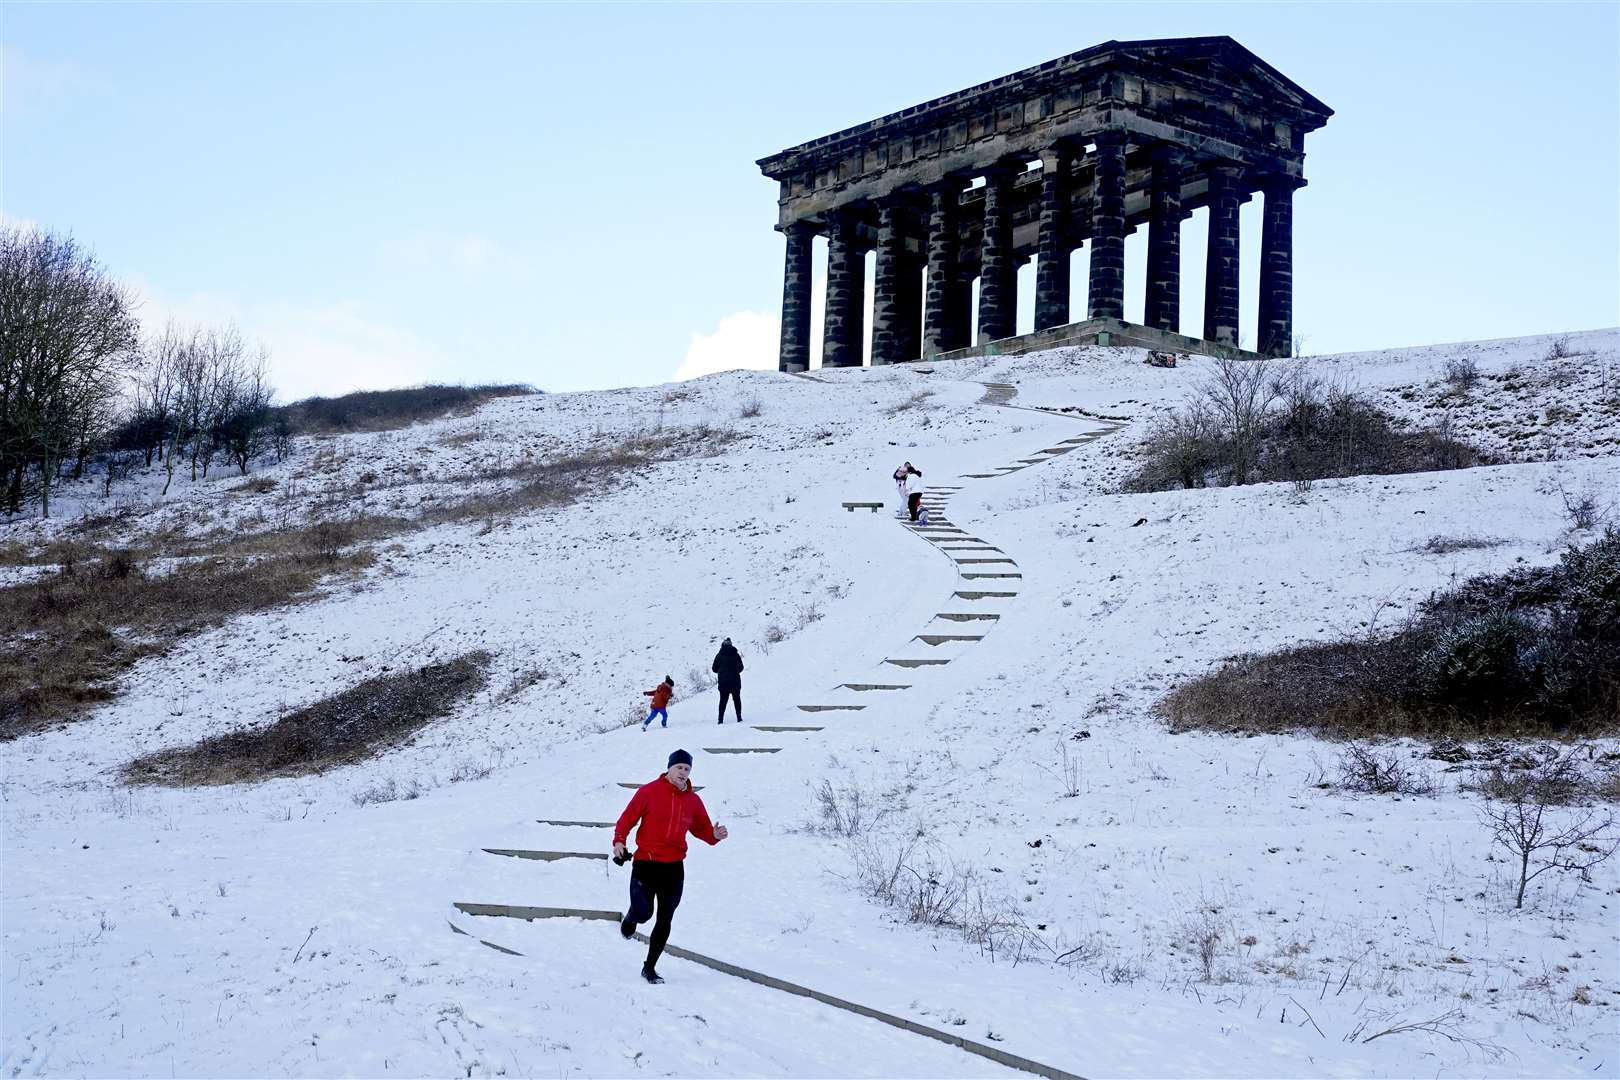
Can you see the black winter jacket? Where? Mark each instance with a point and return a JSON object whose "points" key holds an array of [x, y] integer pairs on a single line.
{"points": [[728, 665]]}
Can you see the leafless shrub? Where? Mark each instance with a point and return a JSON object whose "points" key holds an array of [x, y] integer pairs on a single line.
{"points": [[257, 485], [1202, 936], [807, 613], [849, 811], [944, 896], [1582, 509], [1067, 770], [1461, 373], [1559, 349], [389, 790], [750, 409], [355, 724], [775, 634], [467, 769], [1252, 423], [1445, 545], [519, 682], [327, 539], [1365, 769], [1520, 813]]}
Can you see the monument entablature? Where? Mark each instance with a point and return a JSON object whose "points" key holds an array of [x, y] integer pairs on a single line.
{"points": [[1081, 149]]}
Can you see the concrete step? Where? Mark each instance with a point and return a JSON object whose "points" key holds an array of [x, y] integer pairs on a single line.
{"points": [[581, 824], [969, 562], [968, 616], [863, 687], [545, 856], [982, 575], [981, 475], [1057, 449], [831, 708], [980, 594], [941, 639], [916, 663], [783, 727], [740, 750]]}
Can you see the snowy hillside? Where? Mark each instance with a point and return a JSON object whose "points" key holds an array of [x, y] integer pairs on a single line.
{"points": [[1157, 904]]}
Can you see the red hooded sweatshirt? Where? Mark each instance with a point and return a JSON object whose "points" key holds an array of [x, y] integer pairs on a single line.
{"points": [[666, 814]]}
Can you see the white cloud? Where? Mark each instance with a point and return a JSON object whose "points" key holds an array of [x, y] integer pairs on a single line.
{"points": [[744, 339], [325, 350]]}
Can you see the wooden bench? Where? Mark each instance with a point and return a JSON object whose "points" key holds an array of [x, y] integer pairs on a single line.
{"points": [[872, 506]]}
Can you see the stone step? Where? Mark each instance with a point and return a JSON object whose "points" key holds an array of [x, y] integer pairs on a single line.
{"points": [[1057, 450], [941, 639], [863, 687], [982, 575], [580, 824], [969, 562], [545, 856], [980, 594], [831, 708], [903, 1023], [634, 786], [740, 750], [968, 616], [916, 663], [1033, 460], [783, 727]]}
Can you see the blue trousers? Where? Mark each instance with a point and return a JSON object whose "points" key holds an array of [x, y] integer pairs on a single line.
{"points": [[663, 715]]}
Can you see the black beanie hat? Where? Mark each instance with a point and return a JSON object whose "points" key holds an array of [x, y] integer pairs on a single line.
{"points": [[679, 757]]}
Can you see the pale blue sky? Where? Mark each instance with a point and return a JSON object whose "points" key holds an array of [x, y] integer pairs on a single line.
{"points": [[566, 194]]}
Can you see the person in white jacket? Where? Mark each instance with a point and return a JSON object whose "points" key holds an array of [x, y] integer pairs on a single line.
{"points": [[902, 483]]}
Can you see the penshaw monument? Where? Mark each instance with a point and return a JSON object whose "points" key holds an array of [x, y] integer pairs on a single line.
{"points": [[1078, 151]]}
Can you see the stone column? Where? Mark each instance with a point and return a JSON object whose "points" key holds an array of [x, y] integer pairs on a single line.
{"points": [[1161, 308], [887, 319], [1106, 291], [1052, 271], [998, 281], [943, 319], [846, 293], [1221, 264], [910, 304], [796, 297], [1276, 329]]}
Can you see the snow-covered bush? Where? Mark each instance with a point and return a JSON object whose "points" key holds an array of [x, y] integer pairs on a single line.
{"points": [[1525, 652]]}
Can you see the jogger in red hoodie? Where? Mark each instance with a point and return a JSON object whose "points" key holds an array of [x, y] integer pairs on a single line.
{"points": [[667, 809]]}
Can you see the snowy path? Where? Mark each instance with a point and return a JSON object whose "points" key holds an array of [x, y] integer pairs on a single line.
{"points": [[987, 578]]}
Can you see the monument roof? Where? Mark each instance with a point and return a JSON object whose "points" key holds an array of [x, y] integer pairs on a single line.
{"points": [[1220, 58]]}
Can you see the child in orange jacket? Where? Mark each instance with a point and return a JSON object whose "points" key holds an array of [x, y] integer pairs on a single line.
{"points": [[660, 702]]}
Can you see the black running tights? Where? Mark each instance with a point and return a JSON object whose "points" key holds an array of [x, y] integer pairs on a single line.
{"points": [[660, 881]]}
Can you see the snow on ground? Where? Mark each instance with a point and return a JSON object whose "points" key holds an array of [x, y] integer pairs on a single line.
{"points": [[282, 929]]}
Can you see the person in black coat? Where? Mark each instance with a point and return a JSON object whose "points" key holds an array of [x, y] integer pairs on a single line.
{"points": [[728, 665]]}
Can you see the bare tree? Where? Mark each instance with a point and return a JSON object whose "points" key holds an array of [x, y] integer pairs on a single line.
{"points": [[67, 338], [1239, 394], [1517, 813]]}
